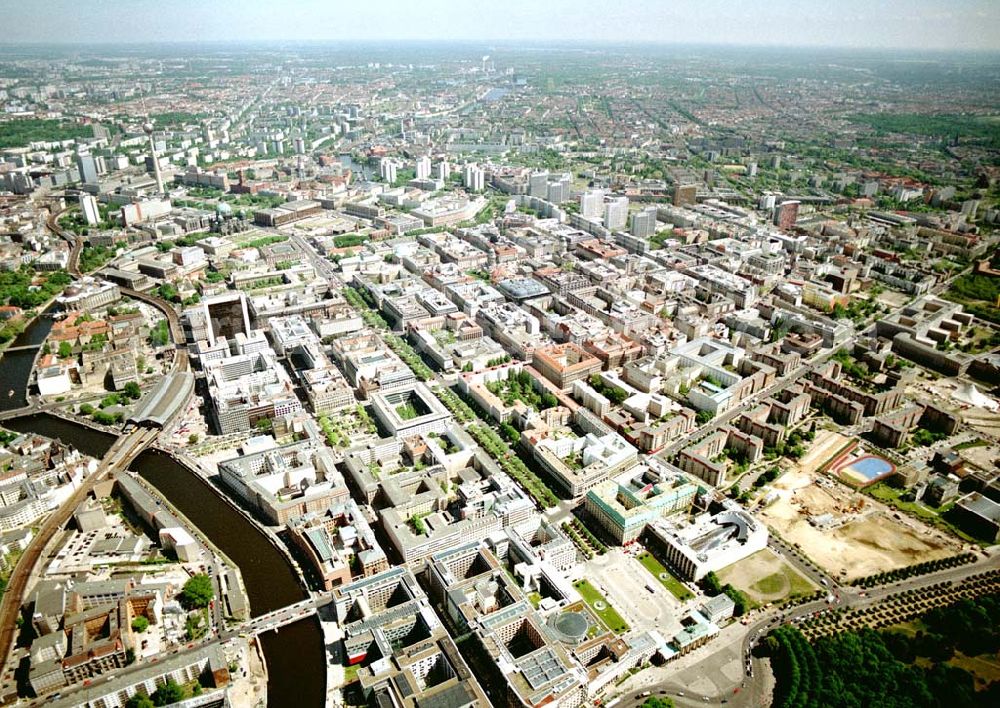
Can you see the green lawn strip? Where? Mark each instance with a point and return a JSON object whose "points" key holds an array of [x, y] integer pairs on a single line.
{"points": [[609, 615], [675, 586]]}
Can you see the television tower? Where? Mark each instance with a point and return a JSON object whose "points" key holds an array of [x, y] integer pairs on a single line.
{"points": [[148, 127]]}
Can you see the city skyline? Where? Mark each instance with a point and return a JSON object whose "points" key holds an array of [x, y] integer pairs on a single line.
{"points": [[571, 354], [962, 25]]}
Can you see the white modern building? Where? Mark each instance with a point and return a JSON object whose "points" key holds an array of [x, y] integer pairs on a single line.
{"points": [[710, 542]]}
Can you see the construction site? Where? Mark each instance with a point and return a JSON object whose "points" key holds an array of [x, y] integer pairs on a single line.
{"points": [[843, 531]]}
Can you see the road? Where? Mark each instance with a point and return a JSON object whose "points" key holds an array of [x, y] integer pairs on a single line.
{"points": [[792, 555]]}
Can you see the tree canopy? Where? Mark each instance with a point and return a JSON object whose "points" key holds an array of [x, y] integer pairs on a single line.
{"points": [[870, 668], [197, 591], [139, 700], [167, 694]]}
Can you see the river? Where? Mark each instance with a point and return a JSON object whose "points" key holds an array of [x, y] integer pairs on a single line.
{"points": [[296, 658], [362, 171], [15, 367]]}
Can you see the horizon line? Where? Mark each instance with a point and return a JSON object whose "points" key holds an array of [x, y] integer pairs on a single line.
{"points": [[560, 43]]}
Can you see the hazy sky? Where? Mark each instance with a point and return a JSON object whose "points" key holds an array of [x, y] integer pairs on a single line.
{"points": [[917, 24]]}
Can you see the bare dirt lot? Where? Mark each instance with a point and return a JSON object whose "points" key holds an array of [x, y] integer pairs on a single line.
{"points": [[860, 537], [825, 446], [765, 577]]}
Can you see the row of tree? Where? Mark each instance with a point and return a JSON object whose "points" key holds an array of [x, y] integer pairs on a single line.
{"points": [[496, 448], [911, 571]]}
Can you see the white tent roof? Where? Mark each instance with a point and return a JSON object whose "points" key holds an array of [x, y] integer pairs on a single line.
{"points": [[970, 394]]}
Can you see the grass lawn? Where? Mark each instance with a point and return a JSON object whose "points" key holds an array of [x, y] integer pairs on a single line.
{"points": [[764, 577], [985, 667], [675, 586], [351, 673], [771, 585], [609, 615], [777, 582], [978, 442]]}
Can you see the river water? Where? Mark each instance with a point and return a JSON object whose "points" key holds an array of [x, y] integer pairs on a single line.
{"points": [[296, 658], [15, 367], [361, 171]]}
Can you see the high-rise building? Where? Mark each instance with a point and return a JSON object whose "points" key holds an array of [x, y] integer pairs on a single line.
{"points": [[644, 223], [300, 146], [538, 185], [473, 178], [685, 194], [88, 168], [591, 205], [616, 213], [387, 170], [423, 167], [558, 191], [443, 170], [88, 206], [786, 214]]}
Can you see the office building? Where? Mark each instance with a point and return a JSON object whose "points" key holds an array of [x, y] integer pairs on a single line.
{"points": [[423, 167], [710, 542], [624, 506], [615, 213], [644, 223], [225, 316], [88, 207]]}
